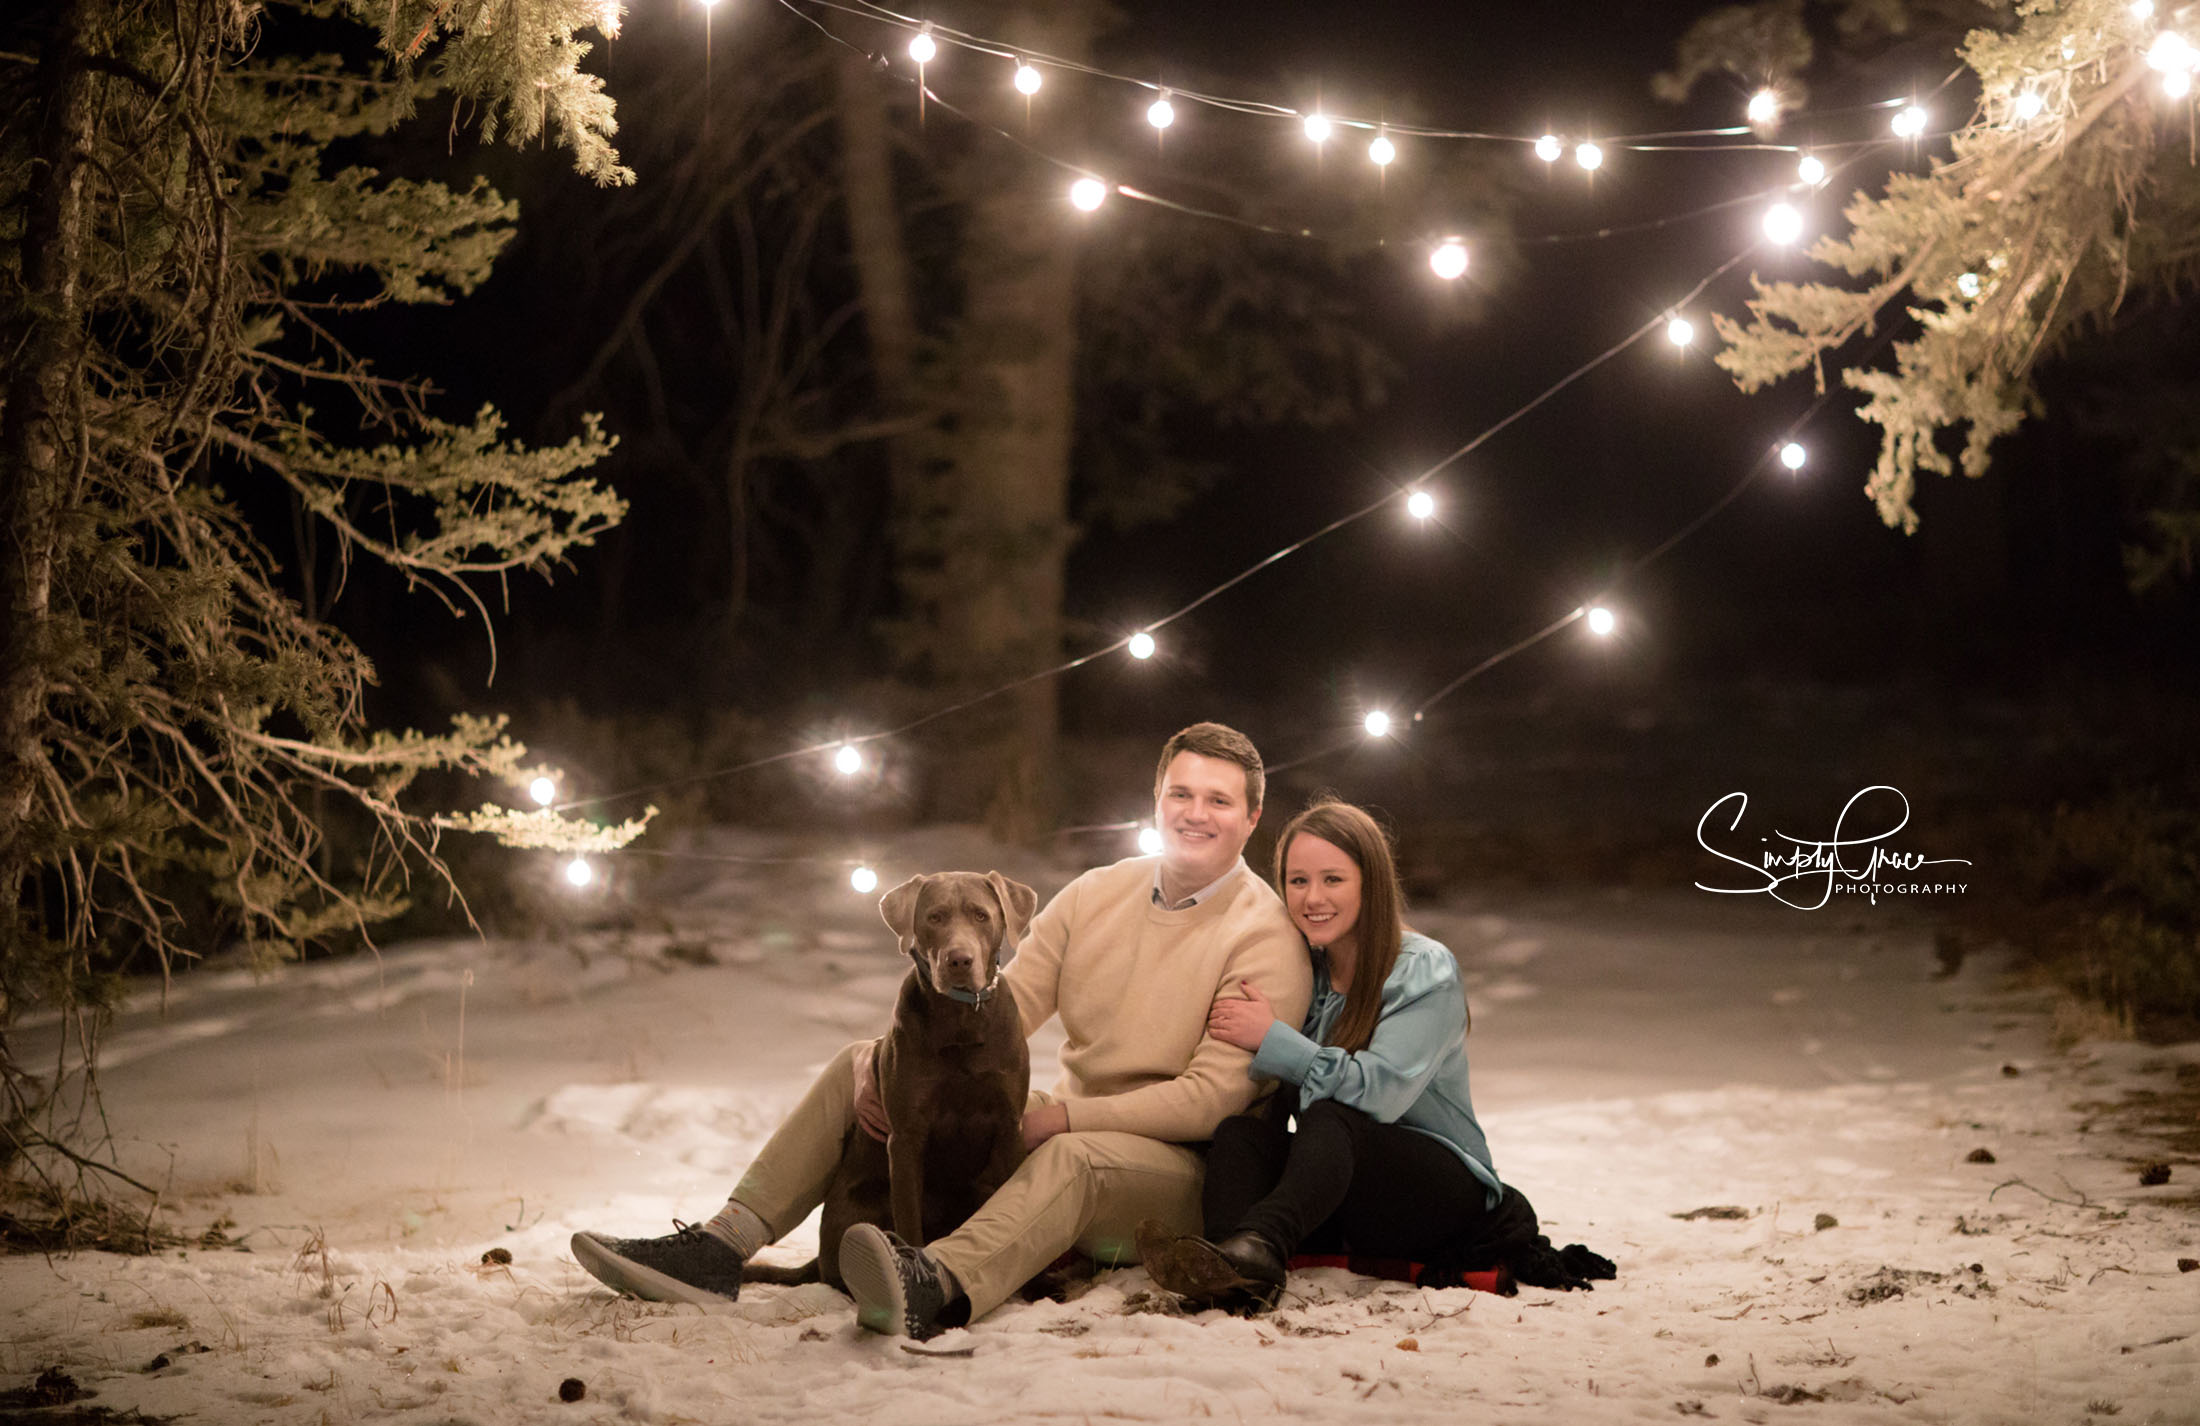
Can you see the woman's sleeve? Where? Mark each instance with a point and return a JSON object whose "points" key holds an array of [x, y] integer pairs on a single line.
{"points": [[1416, 1030]]}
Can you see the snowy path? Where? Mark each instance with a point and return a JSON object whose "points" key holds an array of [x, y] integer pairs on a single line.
{"points": [[373, 1129]]}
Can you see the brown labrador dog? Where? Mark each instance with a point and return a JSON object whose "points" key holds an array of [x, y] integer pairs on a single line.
{"points": [[953, 1071]]}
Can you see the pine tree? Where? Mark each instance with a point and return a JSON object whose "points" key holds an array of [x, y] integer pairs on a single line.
{"points": [[2069, 193], [184, 750]]}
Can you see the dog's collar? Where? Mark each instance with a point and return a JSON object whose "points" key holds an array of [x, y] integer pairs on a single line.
{"points": [[973, 997]]}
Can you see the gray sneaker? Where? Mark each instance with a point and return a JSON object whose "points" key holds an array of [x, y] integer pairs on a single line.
{"points": [[688, 1265], [896, 1287]]}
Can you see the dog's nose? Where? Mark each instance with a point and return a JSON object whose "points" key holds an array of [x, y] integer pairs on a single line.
{"points": [[961, 959]]}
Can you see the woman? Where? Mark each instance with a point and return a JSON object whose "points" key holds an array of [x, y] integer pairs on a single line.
{"points": [[1370, 1146]]}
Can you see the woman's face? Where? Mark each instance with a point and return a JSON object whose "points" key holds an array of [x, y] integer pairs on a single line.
{"points": [[1321, 889]]}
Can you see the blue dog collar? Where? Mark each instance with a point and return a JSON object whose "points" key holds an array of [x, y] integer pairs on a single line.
{"points": [[974, 997]]}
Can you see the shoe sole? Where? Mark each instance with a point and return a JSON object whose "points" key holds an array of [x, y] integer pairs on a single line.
{"points": [[867, 1264], [630, 1277]]}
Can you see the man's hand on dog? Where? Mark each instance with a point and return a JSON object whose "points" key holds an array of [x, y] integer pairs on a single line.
{"points": [[870, 1108], [1242, 1023], [1044, 1123]]}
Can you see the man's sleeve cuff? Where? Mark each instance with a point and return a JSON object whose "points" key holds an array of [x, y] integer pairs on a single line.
{"points": [[1284, 1054]]}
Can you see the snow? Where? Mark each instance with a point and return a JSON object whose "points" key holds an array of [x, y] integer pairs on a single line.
{"points": [[373, 1128]]}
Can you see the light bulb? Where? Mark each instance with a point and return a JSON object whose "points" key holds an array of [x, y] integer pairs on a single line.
{"points": [[708, 4], [2177, 83], [1088, 193], [1028, 79], [1382, 151], [1783, 223], [1680, 331], [1141, 645], [2142, 9], [1969, 285], [1377, 723], [1589, 156], [1161, 113], [863, 880], [1764, 107], [1149, 841], [1601, 621], [923, 49], [1911, 122], [1792, 455], [1811, 169], [1549, 147], [2170, 51], [2027, 105], [578, 872], [543, 790], [1317, 128], [848, 761], [1420, 504], [1449, 261]]}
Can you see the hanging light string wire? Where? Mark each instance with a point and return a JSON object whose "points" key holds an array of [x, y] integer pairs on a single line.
{"points": [[1648, 142]]}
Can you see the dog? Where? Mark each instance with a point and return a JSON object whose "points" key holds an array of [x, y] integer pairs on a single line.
{"points": [[953, 1071]]}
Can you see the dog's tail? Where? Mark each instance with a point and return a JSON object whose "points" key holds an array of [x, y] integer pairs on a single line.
{"points": [[772, 1276]]}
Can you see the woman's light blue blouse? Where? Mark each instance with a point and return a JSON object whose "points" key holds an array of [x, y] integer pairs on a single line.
{"points": [[1414, 1069]]}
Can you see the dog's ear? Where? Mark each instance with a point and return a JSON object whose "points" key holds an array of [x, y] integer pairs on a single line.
{"points": [[1018, 902], [899, 907]]}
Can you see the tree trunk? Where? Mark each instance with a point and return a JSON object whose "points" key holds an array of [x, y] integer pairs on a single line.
{"points": [[881, 256], [982, 502], [42, 329], [1000, 613]]}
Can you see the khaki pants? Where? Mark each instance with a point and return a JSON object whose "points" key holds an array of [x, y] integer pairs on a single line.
{"points": [[1083, 1191]]}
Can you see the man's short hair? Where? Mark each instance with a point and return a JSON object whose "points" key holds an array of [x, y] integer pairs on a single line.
{"points": [[1215, 740]]}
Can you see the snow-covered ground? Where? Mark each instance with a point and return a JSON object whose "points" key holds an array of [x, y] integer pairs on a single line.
{"points": [[372, 1129]]}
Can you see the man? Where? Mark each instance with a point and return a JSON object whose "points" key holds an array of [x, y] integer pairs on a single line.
{"points": [[1131, 956]]}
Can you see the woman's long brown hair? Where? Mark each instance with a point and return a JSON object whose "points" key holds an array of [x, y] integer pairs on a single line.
{"points": [[1381, 926]]}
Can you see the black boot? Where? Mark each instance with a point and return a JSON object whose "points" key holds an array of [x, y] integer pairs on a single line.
{"points": [[1259, 1266]]}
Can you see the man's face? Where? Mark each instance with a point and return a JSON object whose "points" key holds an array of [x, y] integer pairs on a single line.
{"points": [[1203, 816]]}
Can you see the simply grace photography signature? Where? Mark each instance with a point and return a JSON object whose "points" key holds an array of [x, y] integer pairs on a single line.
{"points": [[1803, 860]]}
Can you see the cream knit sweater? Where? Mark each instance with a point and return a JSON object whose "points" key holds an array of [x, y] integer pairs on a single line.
{"points": [[1132, 984]]}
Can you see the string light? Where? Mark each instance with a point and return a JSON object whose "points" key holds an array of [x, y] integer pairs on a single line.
{"points": [[1161, 113], [1811, 169], [1783, 223], [543, 790], [1764, 107], [1318, 128], [1420, 505], [1549, 147], [1589, 156], [848, 761], [2177, 83], [1028, 80], [2142, 9], [708, 4], [1088, 193], [1969, 285], [1911, 122], [1141, 645], [1149, 841], [1449, 261], [2170, 51], [1377, 723], [1382, 151], [863, 880], [923, 48], [1680, 331], [1792, 455], [2027, 105], [578, 872], [1601, 621]]}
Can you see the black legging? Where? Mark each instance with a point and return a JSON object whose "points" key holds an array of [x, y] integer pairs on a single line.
{"points": [[1344, 1183]]}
